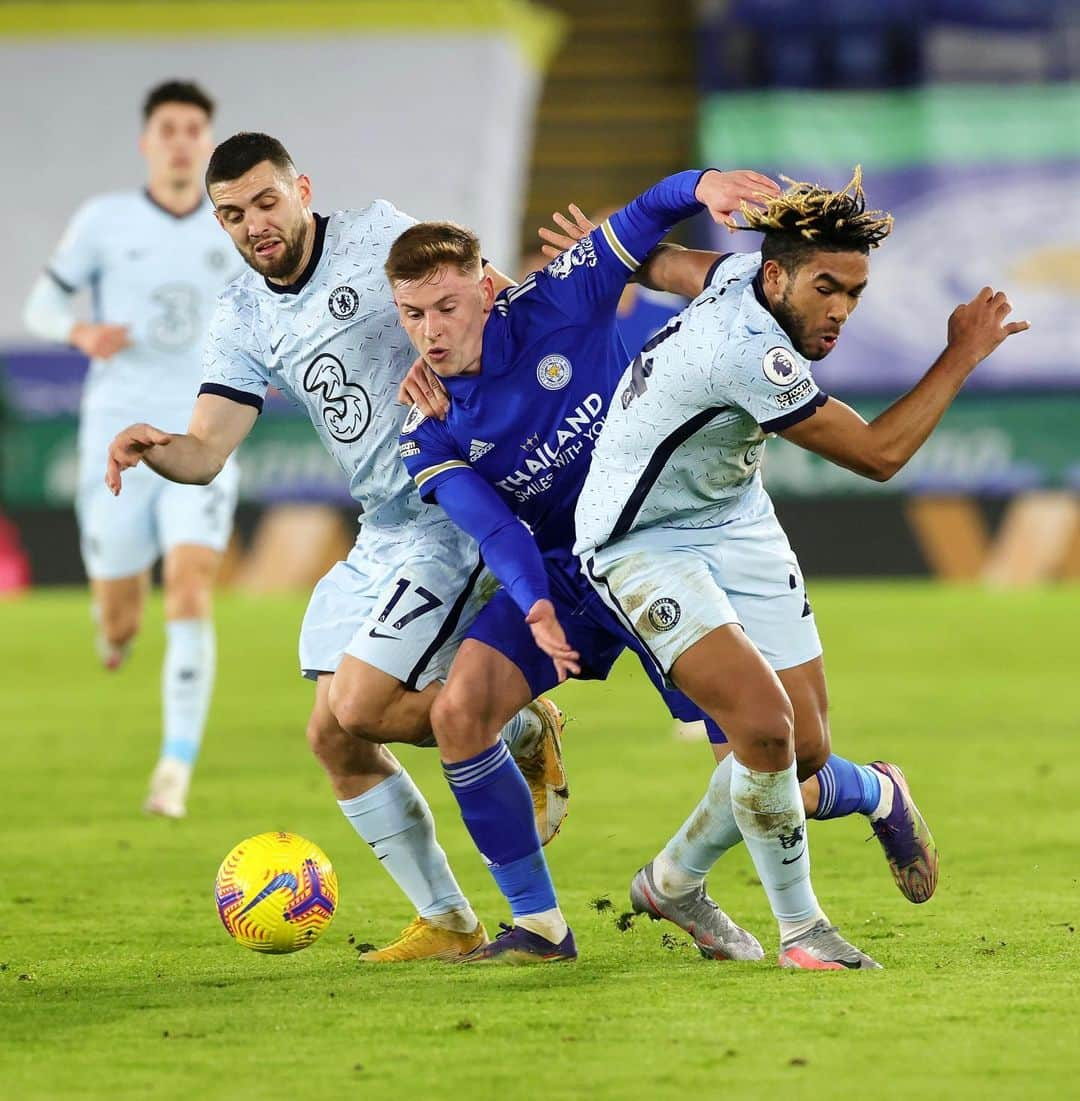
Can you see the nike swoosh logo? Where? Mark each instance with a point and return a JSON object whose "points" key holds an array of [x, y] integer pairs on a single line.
{"points": [[282, 879], [849, 965], [373, 633], [274, 347], [797, 856]]}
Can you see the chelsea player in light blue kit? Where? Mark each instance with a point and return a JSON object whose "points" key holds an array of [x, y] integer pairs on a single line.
{"points": [[154, 262], [314, 317], [529, 389], [679, 537]]}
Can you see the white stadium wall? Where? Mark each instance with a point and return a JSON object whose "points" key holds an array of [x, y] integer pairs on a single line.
{"points": [[428, 105]]}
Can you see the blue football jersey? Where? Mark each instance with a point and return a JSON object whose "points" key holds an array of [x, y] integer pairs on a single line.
{"points": [[552, 356]]}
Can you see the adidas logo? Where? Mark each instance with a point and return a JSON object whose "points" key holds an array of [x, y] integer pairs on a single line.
{"points": [[478, 449]]}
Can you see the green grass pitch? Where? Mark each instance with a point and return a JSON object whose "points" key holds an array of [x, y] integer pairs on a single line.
{"points": [[117, 980]]}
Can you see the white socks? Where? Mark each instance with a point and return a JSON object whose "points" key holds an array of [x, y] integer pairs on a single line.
{"points": [[522, 734], [187, 682], [768, 809], [549, 924], [396, 821], [702, 839]]}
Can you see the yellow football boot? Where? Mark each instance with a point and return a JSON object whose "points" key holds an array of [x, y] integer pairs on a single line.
{"points": [[423, 940], [545, 772]]}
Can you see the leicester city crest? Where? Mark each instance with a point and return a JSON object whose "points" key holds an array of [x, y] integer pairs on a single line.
{"points": [[553, 372], [344, 302]]}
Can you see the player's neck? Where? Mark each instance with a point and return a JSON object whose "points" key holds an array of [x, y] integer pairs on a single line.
{"points": [[305, 256], [177, 199]]}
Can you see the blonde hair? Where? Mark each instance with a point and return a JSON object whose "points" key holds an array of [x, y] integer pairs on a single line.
{"points": [[424, 248], [808, 217]]}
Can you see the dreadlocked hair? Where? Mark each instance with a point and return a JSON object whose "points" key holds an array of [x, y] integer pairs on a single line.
{"points": [[809, 218]]}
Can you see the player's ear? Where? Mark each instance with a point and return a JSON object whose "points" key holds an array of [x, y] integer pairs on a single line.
{"points": [[487, 292], [774, 277], [303, 186]]}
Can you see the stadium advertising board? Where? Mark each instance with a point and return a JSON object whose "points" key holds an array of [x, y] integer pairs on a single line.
{"points": [[984, 183]]}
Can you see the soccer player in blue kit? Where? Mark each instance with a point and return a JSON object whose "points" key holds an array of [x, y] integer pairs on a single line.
{"points": [[155, 262], [530, 374]]}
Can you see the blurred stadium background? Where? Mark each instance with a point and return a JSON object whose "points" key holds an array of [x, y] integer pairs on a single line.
{"points": [[965, 115], [115, 980]]}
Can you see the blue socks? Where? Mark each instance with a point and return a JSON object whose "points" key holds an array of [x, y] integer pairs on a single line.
{"points": [[187, 681], [847, 788], [497, 809]]}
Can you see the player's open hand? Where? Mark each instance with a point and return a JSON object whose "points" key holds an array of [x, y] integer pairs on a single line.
{"points": [[129, 448], [723, 193], [570, 231], [99, 341], [549, 636], [979, 326], [423, 388]]}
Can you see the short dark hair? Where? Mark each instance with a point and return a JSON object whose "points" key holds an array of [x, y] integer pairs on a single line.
{"points": [[427, 246], [240, 153], [809, 218], [177, 91]]}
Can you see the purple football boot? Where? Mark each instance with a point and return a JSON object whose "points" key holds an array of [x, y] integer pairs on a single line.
{"points": [[516, 946], [906, 838]]}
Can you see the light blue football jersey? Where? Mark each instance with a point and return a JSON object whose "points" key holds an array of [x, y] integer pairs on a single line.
{"points": [[332, 342], [685, 433], [160, 275]]}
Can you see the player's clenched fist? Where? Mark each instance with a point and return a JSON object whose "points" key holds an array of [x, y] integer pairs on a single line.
{"points": [[129, 448], [980, 325]]}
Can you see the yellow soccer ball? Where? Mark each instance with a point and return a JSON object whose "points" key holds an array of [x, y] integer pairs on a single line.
{"points": [[276, 892]]}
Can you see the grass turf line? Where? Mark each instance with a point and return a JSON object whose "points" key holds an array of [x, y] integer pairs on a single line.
{"points": [[117, 980]]}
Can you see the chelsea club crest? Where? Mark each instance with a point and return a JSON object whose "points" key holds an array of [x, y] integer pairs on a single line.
{"points": [[344, 302]]}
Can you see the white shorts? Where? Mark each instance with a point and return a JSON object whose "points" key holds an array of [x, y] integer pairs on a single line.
{"points": [[672, 586], [122, 536], [402, 602]]}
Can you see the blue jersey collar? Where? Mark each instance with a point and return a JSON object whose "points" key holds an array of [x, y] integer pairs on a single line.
{"points": [[312, 264]]}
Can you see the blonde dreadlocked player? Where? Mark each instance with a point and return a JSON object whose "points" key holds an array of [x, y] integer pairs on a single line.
{"points": [[679, 538]]}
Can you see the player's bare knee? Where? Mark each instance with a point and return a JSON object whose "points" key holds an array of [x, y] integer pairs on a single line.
{"points": [[767, 737], [812, 753], [459, 730], [189, 594], [365, 716], [121, 624], [324, 736]]}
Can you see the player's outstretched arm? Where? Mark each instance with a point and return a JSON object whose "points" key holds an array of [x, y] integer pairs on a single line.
{"points": [[669, 267], [217, 427], [879, 449]]}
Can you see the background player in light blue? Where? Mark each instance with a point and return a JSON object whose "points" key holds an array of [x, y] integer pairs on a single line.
{"points": [[154, 262], [530, 374], [314, 317]]}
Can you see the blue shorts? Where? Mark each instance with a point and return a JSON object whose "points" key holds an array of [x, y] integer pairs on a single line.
{"points": [[591, 629]]}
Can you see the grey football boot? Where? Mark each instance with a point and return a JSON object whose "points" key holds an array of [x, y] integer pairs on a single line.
{"points": [[823, 949], [715, 934]]}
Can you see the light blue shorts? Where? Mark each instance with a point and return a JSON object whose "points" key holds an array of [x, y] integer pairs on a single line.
{"points": [[122, 536], [672, 586], [402, 602]]}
